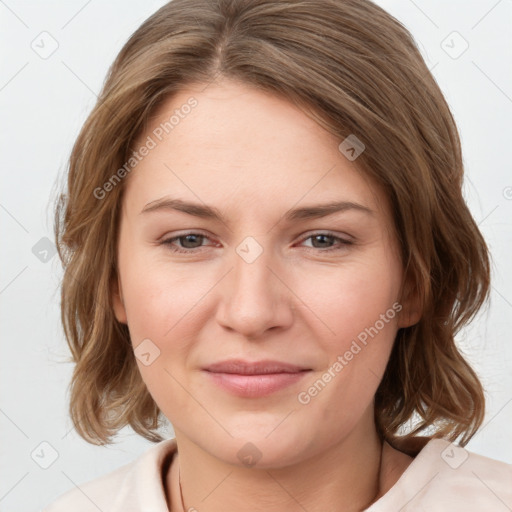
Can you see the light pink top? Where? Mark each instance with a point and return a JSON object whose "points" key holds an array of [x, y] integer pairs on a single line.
{"points": [[442, 477]]}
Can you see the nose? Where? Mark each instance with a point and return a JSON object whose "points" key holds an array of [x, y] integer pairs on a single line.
{"points": [[255, 297]]}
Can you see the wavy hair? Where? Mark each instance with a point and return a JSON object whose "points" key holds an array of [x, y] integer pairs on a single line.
{"points": [[354, 69]]}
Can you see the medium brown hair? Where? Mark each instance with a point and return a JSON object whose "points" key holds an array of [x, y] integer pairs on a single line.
{"points": [[354, 69]]}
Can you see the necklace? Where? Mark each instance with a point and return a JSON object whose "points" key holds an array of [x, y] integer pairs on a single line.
{"points": [[371, 503], [181, 492], [378, 474]]}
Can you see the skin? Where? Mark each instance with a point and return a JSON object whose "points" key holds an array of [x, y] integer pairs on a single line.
{"points": [[254, 156]]}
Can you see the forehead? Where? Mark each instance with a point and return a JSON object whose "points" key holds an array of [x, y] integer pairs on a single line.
{"points": [[239, 142]]}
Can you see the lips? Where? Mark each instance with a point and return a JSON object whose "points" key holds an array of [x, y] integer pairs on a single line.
{"points": [[254, 379], [241, 367]]}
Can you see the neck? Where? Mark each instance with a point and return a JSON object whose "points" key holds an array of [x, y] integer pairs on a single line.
{"points": [[348, 476]]}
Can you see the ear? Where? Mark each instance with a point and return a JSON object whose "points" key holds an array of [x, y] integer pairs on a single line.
{"points": [[118, 301], [411, 303]]}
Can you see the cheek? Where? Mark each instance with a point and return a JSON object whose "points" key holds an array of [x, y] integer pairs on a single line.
{"points": [[359, 306], [161, 306], [353, 300], [360, 309], [159, 296]]}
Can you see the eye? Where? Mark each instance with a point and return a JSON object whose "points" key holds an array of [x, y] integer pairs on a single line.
{"points": [[188, 241], [326, 237]]}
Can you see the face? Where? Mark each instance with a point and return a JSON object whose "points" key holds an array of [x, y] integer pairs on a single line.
{"points": [[266, 278]]}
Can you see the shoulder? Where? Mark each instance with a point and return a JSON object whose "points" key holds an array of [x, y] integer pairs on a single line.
{"points": [[470, 480], [139, 481], [447, 477]]}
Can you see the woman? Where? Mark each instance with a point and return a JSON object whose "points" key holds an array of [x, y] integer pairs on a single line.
{"points": [[265, 242]]}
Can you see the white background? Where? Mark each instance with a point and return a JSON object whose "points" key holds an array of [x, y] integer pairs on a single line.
{"points": [[43, 104]]}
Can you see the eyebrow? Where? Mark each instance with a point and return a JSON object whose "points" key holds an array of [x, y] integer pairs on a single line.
{"points": [[210, 212]]}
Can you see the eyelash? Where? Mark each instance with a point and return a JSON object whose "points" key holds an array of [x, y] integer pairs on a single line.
{"points": [[342, 241]]}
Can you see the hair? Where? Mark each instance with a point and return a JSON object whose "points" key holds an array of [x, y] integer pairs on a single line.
{"points": [[354, 69]]}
